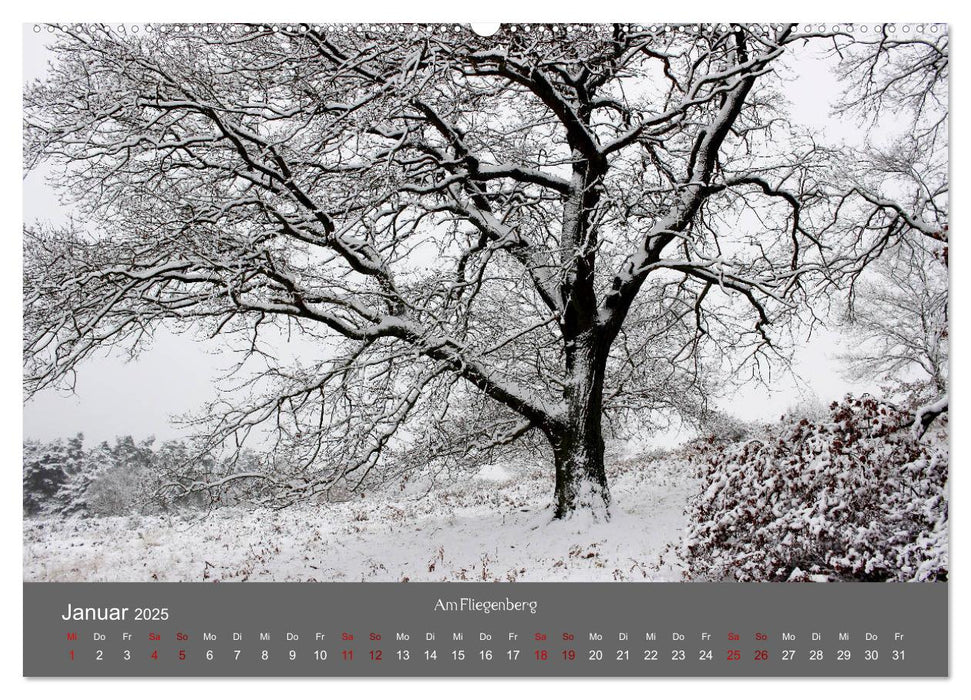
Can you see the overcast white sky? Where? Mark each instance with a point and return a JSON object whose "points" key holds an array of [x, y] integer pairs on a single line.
{"points": [[177, 374]]}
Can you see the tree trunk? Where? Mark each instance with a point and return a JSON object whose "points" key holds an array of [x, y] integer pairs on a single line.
{"points": [[578, 446]]}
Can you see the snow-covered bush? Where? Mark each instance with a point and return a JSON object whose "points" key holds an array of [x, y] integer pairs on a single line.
{"points": [[857, 497], [718, 426]]}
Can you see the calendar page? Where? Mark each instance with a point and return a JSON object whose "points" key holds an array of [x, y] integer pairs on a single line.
{"points": [[486, 350]]}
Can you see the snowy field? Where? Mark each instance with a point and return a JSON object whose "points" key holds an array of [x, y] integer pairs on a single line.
{"points": [[493, 527]]}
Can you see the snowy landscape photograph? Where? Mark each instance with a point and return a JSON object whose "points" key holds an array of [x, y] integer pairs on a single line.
{"points": [[425, 302]]}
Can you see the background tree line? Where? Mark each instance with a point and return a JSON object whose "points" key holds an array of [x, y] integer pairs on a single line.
{"points": [[63, 477]]}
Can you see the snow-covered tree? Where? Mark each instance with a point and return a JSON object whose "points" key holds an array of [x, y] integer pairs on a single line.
{"points": [[898, 311], [44, 476], [79, 472], [530, 236], [900, 322], [52, 472], [79, 489]]}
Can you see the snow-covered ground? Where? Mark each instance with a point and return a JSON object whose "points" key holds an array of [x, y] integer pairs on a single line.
{"points": [[492, 527]]}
